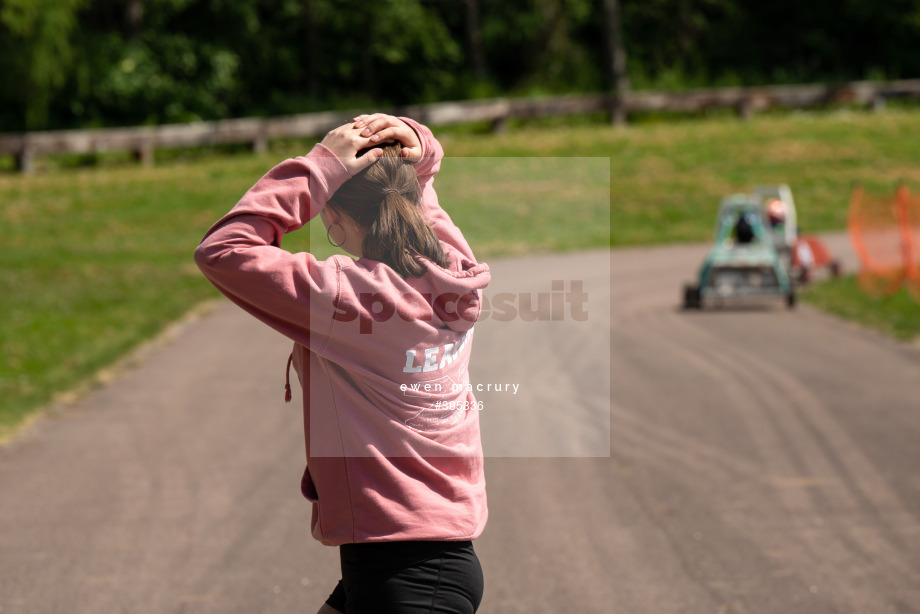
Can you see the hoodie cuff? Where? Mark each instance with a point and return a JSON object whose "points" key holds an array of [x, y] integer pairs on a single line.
{"points": [[329, 173], [429, 162]]}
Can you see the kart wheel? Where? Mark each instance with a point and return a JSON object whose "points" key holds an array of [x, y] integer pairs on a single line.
{"points": [[692, 297], [835, 268]]}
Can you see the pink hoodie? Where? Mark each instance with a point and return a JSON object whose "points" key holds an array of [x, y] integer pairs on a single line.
{"points": [[390, 423]]}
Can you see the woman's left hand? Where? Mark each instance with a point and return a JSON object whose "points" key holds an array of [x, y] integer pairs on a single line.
{"points": [[345, 142]]}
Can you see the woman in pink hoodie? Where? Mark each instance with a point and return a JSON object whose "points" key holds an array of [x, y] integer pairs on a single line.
{"points": [[381, 347]]}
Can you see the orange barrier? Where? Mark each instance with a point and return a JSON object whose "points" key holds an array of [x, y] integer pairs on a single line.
{"points": [[885, 231], [820, 255], [911, 229]]}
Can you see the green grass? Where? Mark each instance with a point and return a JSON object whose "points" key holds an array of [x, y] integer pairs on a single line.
{"points": [[95, 259], [667, 178], [93, 262], [897, 315]]}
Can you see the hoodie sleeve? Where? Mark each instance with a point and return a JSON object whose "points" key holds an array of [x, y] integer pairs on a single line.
{"points": [[242, 256], [426, 169]]}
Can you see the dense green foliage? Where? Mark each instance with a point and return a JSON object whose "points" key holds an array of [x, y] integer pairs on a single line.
{"points": [[79, 63], [737, 42]]}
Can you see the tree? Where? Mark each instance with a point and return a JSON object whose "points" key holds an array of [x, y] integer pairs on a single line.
{"points": [[35, 55], [617, 79], [476, 62]]}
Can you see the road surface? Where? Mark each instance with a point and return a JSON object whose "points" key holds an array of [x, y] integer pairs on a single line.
{"points": [[754, 460]]}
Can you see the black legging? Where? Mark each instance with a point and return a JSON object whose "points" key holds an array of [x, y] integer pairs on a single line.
{"points": [[417, 577]]}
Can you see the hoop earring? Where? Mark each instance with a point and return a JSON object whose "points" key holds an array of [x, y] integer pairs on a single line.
{"points": [[329, 238]]}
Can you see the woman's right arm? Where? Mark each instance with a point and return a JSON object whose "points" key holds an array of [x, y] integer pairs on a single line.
{"points": [[242, 255]]}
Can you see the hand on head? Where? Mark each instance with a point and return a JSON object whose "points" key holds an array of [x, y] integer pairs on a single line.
{"points": [[366, 132], [345, 142], [381, 128]]}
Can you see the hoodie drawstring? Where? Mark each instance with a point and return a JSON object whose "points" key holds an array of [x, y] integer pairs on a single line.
{"points": [[287, 379]]}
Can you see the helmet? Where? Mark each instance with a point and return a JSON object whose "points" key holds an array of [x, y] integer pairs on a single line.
{"points": [[776, 211]]}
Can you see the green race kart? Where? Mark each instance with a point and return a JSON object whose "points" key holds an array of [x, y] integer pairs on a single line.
{"points": [[744, 262]]}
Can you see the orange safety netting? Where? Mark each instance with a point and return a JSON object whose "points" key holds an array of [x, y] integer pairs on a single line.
{"points": [[885, 231], [911, 225]]}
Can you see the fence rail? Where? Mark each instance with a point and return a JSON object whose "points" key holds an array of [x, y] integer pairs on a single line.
{"points": [[257, 132]]}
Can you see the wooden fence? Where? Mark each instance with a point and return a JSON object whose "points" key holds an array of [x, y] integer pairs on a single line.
{"points": [[257, 132]]}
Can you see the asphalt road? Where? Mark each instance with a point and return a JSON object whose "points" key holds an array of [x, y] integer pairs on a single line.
{"points": [[651, 461]]}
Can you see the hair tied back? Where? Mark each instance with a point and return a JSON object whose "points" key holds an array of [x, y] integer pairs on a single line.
{"points": [[396, 228]]}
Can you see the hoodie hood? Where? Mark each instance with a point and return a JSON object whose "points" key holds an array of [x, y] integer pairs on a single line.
{"points": [[453, 292]]}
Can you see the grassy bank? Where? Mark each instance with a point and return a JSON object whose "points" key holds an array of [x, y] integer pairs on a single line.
{"points": [[94, 260], [667, 178], [897, 315]]}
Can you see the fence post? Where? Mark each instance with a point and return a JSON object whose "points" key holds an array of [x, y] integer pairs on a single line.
{"points": [[25, 158], [260, 144], [745, 108], [145, 152]]}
